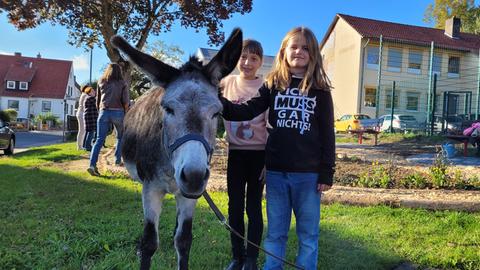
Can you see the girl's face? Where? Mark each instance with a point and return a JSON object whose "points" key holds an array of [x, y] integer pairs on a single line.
{"points": [[297, 55], [248, 65], [93, 93]]}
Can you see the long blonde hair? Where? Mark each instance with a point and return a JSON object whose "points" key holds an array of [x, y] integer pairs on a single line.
{"points": [[113, 72], [315, 76]]}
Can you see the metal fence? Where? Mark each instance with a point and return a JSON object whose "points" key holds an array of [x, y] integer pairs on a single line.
{"points": [[436, 85]]}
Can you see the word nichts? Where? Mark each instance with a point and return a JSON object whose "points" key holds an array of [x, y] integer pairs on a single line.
{"points": [[294, 110]]}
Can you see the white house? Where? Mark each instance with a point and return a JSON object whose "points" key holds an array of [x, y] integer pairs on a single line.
{"points": [[34, 86]]}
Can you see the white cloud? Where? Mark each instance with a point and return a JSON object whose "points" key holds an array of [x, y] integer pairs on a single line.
{"points": [[6, 53], [80, 62]]}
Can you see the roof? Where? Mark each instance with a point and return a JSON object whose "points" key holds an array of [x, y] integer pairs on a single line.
{"points": [[48, 77], [411, 34]]}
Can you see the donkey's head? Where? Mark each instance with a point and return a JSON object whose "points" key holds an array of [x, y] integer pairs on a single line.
{"points": [[190, 108]]}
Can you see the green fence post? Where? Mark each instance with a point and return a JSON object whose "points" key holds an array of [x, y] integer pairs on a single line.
{"points": [[430, 77], [392, 106], [379, 77], [434, 101]]}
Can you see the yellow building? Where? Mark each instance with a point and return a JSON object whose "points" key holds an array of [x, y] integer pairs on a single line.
{"points": [[359, 54]]}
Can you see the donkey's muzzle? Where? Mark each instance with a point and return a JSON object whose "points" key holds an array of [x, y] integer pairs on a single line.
{"points": [[194, 181]]}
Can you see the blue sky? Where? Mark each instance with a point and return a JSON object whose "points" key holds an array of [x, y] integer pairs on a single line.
{"points": [[268, 22]]}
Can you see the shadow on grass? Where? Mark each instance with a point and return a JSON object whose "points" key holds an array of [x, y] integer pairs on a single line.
{"points": [[48, 154], [88, 222]]}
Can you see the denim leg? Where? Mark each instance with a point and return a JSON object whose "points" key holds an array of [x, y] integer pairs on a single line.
{"points": [[88, 140], [306, 207], [117, 120], [279, 213], [102, 129]]}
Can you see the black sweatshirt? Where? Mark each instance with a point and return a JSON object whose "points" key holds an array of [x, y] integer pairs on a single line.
{"points": [[301, 135]]}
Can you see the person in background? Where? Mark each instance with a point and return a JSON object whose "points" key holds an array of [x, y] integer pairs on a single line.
{"points": [[300, 150], [112, 103], [246, 159], [80, 119], [90, 115]]}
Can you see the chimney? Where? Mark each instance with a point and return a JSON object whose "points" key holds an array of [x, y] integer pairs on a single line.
{"points": [[18, 54], [452, 27], [39, 55]]}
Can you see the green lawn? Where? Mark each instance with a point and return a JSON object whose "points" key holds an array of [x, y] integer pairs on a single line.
{"points": [[51, 219]]}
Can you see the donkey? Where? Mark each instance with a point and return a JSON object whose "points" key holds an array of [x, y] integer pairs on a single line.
{"points": [[169, 135]]}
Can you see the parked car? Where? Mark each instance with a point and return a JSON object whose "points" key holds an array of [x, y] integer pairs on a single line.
{"points": [[7, 138], [451, 124], [401, 122], [349, 122]]}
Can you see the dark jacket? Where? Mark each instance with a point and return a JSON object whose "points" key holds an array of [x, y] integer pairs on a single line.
{"points": [[301, 135], [90, 114]]}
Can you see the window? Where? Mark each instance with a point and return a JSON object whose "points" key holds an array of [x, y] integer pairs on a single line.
{"points": [[388, 100], [10, 84], [372, 57], [437, 63], [453, 66], [14, 104], [370, 97], [23, 86], [414, 62], [412, 101], [46, 106], [394, 62]]}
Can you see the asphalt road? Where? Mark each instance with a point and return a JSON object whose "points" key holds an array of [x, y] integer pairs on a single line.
{"points": [[29, 139]]}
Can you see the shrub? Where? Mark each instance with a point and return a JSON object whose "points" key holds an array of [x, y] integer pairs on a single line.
{"points": [[415, 180], [379, 177], [43, 118], [12, 114], [4, 116]]}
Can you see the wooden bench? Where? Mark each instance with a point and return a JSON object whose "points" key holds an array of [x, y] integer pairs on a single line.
{"points": [[360, 133], [465, 140]]}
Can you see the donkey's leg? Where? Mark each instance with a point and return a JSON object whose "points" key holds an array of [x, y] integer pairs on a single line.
{"points": [[183, 235], [152, 198]]}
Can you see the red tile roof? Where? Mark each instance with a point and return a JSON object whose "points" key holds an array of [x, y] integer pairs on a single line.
{"points": [[410, 34], [48, 77]]}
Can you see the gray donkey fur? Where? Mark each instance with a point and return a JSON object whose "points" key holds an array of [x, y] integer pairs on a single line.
{"points": [[185, 102]]}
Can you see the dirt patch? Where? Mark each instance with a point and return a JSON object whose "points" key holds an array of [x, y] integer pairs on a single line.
{"points": [[347, 171]]}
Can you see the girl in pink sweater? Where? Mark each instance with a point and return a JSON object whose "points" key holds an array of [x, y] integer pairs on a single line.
{"points": [[246, 158]]}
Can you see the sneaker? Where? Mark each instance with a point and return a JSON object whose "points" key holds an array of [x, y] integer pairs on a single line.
{"points": [[250, 264], [93, 171]]}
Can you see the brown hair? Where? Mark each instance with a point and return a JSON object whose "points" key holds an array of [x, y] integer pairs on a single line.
{"points": [[84, 88], [315, 76], [88, 89], [253, 47], [113, 72]]}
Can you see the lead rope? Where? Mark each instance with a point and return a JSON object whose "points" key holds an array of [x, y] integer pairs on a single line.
{"points": [[224, 222]]}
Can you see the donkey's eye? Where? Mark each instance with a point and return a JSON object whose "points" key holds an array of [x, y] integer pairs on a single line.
{"points": [[169, 110]]}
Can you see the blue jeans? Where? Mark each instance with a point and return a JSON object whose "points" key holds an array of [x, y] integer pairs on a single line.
{"points": [[87, 144], [105, 119], [298, 192]]}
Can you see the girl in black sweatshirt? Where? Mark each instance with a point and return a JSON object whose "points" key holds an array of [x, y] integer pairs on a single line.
{"points": [[300, 150]]}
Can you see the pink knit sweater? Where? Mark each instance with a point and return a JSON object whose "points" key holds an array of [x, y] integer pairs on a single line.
{"points": [[245, 135]]}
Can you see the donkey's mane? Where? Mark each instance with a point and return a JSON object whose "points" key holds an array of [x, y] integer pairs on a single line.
{"points": [[193, 64]]}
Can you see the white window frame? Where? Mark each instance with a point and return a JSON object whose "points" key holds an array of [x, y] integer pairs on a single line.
{"points": [[412, 69], [44, 102], [453, 74], [23, 86], [393, 61], [11, 84], [13, 100], [412, 94], [372, 50]]}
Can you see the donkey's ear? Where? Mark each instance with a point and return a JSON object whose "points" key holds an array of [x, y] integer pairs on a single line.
{"points": [[159, 72], [226, 59]]}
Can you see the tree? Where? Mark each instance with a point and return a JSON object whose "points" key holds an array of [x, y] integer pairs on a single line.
{"points": [[93, 22], [169, 54], [441, 10]]}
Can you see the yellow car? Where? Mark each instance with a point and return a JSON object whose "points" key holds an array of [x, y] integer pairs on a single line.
{"points": [[349, 122]]}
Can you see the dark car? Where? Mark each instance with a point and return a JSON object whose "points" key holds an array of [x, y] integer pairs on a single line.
{"points": [[7, 138]]}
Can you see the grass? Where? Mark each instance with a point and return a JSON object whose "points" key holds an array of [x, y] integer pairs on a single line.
{"points": [[52, 219]]}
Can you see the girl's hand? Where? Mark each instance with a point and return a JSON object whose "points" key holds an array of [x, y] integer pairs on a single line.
{"points": [[323, 187]]}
